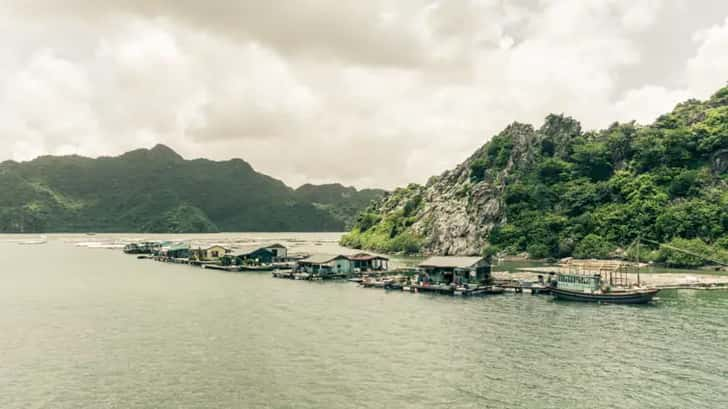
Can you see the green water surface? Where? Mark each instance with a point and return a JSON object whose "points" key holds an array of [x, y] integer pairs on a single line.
{"points": [[94, 328]]}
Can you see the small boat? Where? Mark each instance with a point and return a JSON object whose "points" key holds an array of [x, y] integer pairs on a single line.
{"points": [[480, 290], [622, 296], [603, 281], [283, 274], [590, 286], [302, 276], [283, 266], [394, 286], [373, 284], [267, 267]]}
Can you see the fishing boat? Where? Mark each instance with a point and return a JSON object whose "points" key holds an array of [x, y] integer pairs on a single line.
{"points": [[262, 267], [479, 290], [631, 296], [601, 281]]}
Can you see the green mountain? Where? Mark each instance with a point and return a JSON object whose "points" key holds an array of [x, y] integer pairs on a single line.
{"points": [[558, 191], [344, 203], [156, 190]]}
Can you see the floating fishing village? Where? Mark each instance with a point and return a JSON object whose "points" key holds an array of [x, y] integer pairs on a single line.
{"points": [[599, 281]]}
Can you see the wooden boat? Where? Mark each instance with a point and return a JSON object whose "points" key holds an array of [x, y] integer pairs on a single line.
{"points": [[373, 284], [480, 290], [283, 266], [622, 296], [220, 267], [283, 274], [601, 282], [393, 285], [267, 267]]}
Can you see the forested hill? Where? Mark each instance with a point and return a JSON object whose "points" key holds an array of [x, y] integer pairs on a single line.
{"points": [[156, 190], [558, 191]]}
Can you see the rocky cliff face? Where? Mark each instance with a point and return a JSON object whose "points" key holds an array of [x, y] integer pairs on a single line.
{"points": [[459, 210], [454, 212], [558, 192]]}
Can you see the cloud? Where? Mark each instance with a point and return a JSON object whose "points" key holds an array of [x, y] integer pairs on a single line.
{"points": [[710, 64], [367, 93]]}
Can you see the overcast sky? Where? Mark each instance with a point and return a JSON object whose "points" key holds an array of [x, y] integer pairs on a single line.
{"points": [[367, 93]]}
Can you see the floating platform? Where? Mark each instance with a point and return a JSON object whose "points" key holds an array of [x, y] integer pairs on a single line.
{"points": [[221, 268], [288, 274], [450, 290], [257, 268]]}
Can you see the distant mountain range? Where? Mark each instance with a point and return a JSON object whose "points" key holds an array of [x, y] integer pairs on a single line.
{"points": [[156, 190]]}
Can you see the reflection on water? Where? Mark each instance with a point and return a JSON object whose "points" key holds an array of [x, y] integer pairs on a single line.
{"points": [[93, 328]]}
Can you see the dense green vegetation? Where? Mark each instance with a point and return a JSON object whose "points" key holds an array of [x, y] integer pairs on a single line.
{"points": [[388, 233], [565, 192], [344, 203], [606, 188], [158, 191]]}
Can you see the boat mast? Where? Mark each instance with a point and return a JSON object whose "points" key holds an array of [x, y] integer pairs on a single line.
{"points": [[638, 261]]}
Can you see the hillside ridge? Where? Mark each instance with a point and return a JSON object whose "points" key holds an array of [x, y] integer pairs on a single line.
{"points": [[559, 191]]}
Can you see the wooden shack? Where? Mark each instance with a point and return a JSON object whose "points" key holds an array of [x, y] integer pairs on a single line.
{"points": [[342, 264], [249, 255], [211, 253], [454, 269], [364, 262], [280, 252], [176, 250]]}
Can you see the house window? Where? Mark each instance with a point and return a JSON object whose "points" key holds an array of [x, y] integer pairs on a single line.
{"points": [[215, 253]]}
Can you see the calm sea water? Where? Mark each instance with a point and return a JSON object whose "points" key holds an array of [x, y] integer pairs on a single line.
{"points": [[93, 328]]}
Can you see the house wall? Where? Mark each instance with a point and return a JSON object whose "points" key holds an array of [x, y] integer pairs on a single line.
{"points": [[181, 253], [278, 252], [317, 268], [262, 255], [342, 266], [210, 252]]}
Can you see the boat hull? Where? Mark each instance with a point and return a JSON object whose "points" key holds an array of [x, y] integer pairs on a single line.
{"points": [[626, 297]]}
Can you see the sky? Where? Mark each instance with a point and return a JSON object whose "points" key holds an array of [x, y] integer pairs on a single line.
{"points": [[366, 93]]}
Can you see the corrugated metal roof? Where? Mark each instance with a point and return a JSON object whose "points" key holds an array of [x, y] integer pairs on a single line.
{"points": [[365, 257], [179, 246], [319, 259], [275, 245], [244, 250], [451, 262]]}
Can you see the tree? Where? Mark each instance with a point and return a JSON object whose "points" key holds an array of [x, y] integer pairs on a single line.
{"points": [[694, 253], [593, 246]]}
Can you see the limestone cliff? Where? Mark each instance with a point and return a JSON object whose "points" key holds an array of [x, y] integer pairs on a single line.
{"points": [[557, 191], [454, 212]]}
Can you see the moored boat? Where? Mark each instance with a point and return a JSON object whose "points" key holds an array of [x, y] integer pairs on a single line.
{"points": [[626, 296], [264, 267], [601, 281]]}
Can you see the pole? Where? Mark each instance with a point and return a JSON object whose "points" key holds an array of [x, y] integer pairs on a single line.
{"points": [[638, 261]]}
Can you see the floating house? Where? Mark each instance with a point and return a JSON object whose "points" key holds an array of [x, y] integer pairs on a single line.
{"points": [[364, 262], [327, 265], [176, 250], [255, 255], [454, 269], [212, 253], [280, 252], [319, 264], [146, 247]]}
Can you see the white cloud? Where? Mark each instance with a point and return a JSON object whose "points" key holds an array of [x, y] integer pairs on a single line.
{"points": [[709, 67], [368, 93]]}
